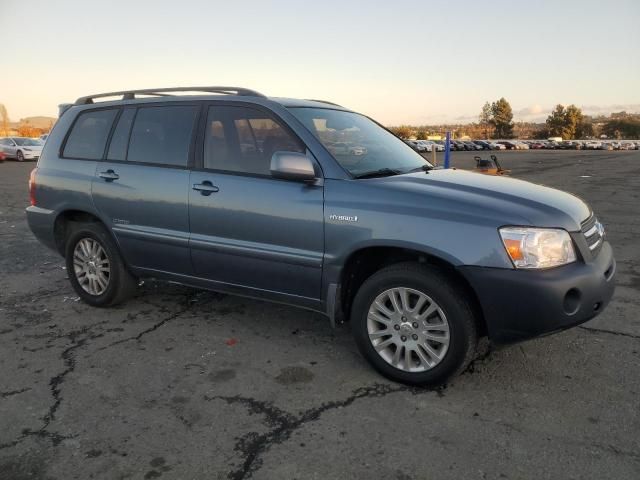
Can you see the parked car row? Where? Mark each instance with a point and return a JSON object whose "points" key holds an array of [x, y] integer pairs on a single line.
{"points": [[611, 145], [426, 145], [474, 145], [21, 148]]}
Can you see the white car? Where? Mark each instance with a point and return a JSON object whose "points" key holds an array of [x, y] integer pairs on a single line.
{"points": [[417, 145], [430, 144], [424, 144], [21, 148], [497, 146], [522, 146], [357, 150], [438, 147]]}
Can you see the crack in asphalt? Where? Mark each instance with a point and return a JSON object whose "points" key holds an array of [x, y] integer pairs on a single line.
{"points": [[610, 332], [69, 361], [485, 352], [190, 298], [253, 446], [14, 392], [79, 338]]}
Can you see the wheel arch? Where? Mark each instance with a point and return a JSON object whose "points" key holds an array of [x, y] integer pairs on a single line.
{"points": [[365, 261], [65, 218]]}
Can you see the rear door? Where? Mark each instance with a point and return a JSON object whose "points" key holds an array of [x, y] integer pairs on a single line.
{"points": [[247, 228], [141, 188]]}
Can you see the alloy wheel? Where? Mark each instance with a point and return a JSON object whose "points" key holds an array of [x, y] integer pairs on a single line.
{"points": [[408, 329], [91, 266]]}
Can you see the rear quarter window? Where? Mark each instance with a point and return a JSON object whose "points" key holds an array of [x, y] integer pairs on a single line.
{"points": [[88, 136]]}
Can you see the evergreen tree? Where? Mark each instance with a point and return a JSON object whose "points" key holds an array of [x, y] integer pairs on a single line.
{"points": [[502, 118]]}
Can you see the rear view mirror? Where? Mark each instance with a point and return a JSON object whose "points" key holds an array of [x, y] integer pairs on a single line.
{"points": [[292, 166], [338, 123]]}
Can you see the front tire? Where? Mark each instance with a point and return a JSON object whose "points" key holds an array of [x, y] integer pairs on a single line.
{"points": [[20, 156], [414, 324], [96, 269]]}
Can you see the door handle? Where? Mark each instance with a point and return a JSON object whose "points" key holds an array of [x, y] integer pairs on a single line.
{"points": [[109, 175], [205, 188]]}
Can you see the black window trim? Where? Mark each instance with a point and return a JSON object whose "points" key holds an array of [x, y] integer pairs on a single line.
{"points": [[202, 128], [63, 145], [192, 143], [105, 155], [194, 128]]}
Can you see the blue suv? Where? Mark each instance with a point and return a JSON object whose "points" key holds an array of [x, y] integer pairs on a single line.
{"points": [[308, 203]]}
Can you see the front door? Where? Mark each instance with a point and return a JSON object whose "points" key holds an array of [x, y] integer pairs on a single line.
{"points": [[247, 228]]}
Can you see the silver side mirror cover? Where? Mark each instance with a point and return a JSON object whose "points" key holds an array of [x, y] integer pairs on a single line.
{"points": [[292, 166]]}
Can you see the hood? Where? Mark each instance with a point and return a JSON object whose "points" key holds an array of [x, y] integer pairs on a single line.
{"points": [[507, 201]]}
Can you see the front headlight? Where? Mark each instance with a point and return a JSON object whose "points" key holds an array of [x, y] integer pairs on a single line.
{"points": [[538, 247]]}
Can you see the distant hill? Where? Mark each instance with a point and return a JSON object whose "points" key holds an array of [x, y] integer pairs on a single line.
{"points": [[36, 122]]}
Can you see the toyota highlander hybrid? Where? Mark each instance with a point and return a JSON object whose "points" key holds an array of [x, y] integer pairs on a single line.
{"points": [[310, 204]]}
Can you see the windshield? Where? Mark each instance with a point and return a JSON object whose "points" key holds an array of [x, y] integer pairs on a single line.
{"points": [[359, 144], [27, 142]]}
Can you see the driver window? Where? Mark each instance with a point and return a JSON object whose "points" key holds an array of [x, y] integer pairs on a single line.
{"points": [[243, 139]]}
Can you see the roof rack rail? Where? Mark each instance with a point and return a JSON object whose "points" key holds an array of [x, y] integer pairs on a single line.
{"points": [[163, 92], [323, 101]]}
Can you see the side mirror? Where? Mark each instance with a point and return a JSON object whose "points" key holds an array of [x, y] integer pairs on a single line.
{"points": [[292, 166]]}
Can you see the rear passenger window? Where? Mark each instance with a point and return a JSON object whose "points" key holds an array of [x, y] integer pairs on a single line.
{"points": [[120, 138], [89, 135], [162, 135], [243, 139]]}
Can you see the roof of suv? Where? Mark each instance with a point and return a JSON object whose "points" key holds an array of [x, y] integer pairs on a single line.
{"points": [[203, 93]]}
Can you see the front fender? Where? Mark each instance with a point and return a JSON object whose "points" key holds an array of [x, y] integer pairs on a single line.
{"points": [[359, 215]]}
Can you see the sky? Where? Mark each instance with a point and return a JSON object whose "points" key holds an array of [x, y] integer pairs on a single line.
{"points": [[401, 62]]}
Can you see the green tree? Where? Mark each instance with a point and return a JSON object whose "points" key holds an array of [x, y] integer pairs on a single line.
{"points": [[622, 128], [485, 118], [541, 133], [574, 120], [556, 122], [502, 118], [567, 123], [585, 130], [422, 134]]}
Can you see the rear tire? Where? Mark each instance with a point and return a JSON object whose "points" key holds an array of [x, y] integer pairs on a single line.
{"points": [[20, 156], [441, 344], [95, 267]]}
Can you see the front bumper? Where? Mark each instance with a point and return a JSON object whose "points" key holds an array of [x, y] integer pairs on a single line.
{"points": [[522, 304]]}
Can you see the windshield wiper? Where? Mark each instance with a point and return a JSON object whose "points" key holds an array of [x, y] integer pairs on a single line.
{"points": [[383, 172], [423, 168]]}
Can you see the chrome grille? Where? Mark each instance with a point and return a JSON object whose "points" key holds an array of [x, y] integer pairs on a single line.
{"points": [[593, 232]]}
